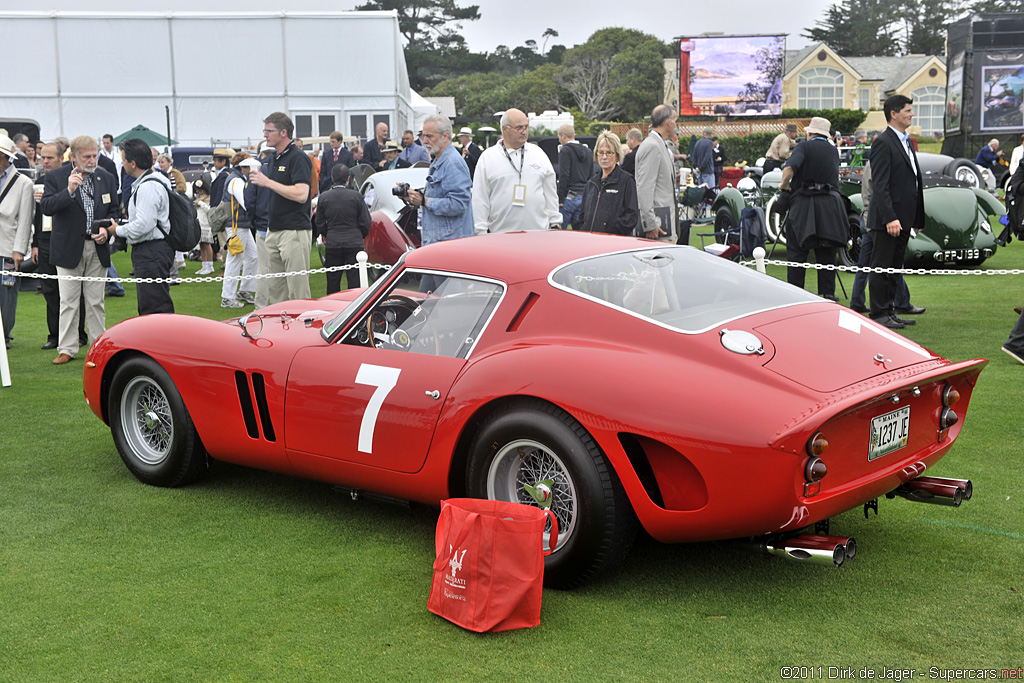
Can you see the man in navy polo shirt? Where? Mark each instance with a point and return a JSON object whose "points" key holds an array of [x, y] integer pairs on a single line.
{"points": [[289, 231]]}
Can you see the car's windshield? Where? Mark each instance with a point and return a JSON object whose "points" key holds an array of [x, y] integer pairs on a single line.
{"points": [[432, 313], [676, 287], [338, 321]]}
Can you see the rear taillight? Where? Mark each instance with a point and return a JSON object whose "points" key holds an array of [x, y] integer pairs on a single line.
{"points": [[815, 468]]}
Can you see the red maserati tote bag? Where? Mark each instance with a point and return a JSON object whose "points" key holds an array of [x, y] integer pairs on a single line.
{"points": [[489, 569]]}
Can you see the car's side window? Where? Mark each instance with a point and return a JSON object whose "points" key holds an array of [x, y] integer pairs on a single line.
{"points": [[438, 315]]}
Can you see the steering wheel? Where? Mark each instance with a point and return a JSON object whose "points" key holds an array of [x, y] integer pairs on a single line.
{"points": [[383, 324]]}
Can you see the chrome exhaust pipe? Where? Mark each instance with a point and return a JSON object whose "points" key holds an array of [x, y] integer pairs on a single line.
{"points": [[962, 484], [813, 548], [935, 490]]}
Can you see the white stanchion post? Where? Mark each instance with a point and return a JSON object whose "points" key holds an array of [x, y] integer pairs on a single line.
{"points": [[5, 366], [759, 259], [364, 276]]}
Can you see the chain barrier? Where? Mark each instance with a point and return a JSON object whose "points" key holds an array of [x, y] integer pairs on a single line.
{"points": [[869, 269], [205, 278]]}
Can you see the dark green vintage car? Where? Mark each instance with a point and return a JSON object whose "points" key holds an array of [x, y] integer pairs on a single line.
{"points": [[957, 231]]}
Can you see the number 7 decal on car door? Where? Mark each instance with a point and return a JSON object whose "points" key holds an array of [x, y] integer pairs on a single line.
{"points": [[384, 379]]}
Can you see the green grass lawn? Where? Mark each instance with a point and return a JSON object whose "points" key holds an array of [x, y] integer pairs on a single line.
{"points": [[255, 576]]}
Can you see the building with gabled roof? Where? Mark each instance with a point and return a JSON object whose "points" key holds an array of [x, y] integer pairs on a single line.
{"points": [[817, 77]]}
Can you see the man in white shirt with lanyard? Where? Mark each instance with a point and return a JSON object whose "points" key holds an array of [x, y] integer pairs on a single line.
{"points": [[514, 185]]}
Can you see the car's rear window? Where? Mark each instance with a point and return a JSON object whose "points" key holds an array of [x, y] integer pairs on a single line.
{"points": [[676, 287]]}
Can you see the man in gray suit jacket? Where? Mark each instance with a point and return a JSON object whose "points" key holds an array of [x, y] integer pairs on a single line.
{"points": [[655, 172]]}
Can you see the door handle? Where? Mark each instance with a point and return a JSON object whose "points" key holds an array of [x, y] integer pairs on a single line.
{"points": [[435, 394]]}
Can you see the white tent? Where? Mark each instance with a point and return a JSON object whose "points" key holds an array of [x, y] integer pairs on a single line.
{"points": [[216, 74], [422, 108]]}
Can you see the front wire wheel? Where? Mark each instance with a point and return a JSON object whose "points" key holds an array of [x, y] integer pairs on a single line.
{"points": [[152, 429], [146, 417]]}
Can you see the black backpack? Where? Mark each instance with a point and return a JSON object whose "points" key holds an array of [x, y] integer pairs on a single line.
{"points": [[185, 230]]}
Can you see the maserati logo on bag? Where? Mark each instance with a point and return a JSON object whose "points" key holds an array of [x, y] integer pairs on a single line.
{"points": [[455, 562]]}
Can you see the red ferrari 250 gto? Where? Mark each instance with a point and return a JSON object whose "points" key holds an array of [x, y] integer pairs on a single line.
{"points": [[613, 380]]}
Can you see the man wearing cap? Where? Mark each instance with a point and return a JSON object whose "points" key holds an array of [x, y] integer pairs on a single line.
{"points": [[411, 152], [373, 149], [470, 151], [221, 169], [780, 149], [237, 293], [817, 214], [76, 196], [335, 154], [391, 157], [289, 230], [17, 207]]}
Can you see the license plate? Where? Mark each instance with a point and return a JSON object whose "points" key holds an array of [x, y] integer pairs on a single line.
{"points": [[889, 433], [954, 255]]}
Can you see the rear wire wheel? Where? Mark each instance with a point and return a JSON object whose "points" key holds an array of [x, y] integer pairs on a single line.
{"points": [[537, 454]]}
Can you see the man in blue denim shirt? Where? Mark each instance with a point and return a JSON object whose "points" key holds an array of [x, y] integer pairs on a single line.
{"points": [[447, 199]]}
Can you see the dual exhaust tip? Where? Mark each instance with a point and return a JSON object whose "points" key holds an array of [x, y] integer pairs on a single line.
{"points": [[836, 550], [935, 490], [814, 549]]}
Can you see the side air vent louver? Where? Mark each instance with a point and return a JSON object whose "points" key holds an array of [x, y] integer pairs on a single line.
{"points": [[260, 389], [245, 400]]}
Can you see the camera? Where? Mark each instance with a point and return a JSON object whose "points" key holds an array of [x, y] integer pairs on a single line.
{"points": [[400, 190]]}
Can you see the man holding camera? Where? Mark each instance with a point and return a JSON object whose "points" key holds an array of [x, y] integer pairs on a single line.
{"points": [[149, 221], [77, 196], [447, 198]]}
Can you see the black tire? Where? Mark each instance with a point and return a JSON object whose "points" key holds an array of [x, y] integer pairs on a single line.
{"points": [[531, 441], [773, 221], [850, 253], [725, 226], [964, 169], [151, 427]]}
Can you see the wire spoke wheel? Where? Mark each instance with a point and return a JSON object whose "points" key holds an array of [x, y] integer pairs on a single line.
{"points": [[146, 416], [524, 466]]}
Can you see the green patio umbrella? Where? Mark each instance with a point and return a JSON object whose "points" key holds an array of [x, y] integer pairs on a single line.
{"points": [[150, 137]]}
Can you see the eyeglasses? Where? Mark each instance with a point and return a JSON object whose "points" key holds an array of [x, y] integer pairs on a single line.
{"points": [[520, 129], [270, 130], [604, 153]]}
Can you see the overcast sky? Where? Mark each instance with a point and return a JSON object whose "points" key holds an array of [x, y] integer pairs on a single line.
{"points": [[512, 22]]}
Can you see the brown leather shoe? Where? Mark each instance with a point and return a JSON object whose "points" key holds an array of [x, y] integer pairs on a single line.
{"points": [[1018, 309], [62, 359]]}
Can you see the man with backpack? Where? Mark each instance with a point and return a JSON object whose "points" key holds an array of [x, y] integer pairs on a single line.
{"points": [[148, 225]]}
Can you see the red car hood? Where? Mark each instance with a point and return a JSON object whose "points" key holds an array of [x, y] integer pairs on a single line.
{"points": [[802, 344]]}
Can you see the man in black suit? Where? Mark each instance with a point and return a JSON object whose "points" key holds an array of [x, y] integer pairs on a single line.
{"points": [[897, 206], [392, 161], [373, 153], [335, 154], [74, 196], [50, 157]]}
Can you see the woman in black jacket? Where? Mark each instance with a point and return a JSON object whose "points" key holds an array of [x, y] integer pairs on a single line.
{"points": [[609, 200]]}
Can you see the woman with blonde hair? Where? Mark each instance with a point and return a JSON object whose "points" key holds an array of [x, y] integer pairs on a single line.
{"points": [[609, 200]]}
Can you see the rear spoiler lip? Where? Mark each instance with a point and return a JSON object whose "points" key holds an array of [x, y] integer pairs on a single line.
{"points": [[866, 392]]}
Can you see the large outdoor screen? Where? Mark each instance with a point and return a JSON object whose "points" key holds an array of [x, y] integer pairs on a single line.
{"points": [[738, 75]]}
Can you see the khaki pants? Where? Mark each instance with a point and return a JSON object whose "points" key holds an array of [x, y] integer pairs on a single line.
{"points": [[288, 251], [263, 266], [70, 293]]}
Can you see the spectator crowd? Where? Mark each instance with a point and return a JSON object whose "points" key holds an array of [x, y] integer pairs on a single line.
{"points": [[91, 198]]}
